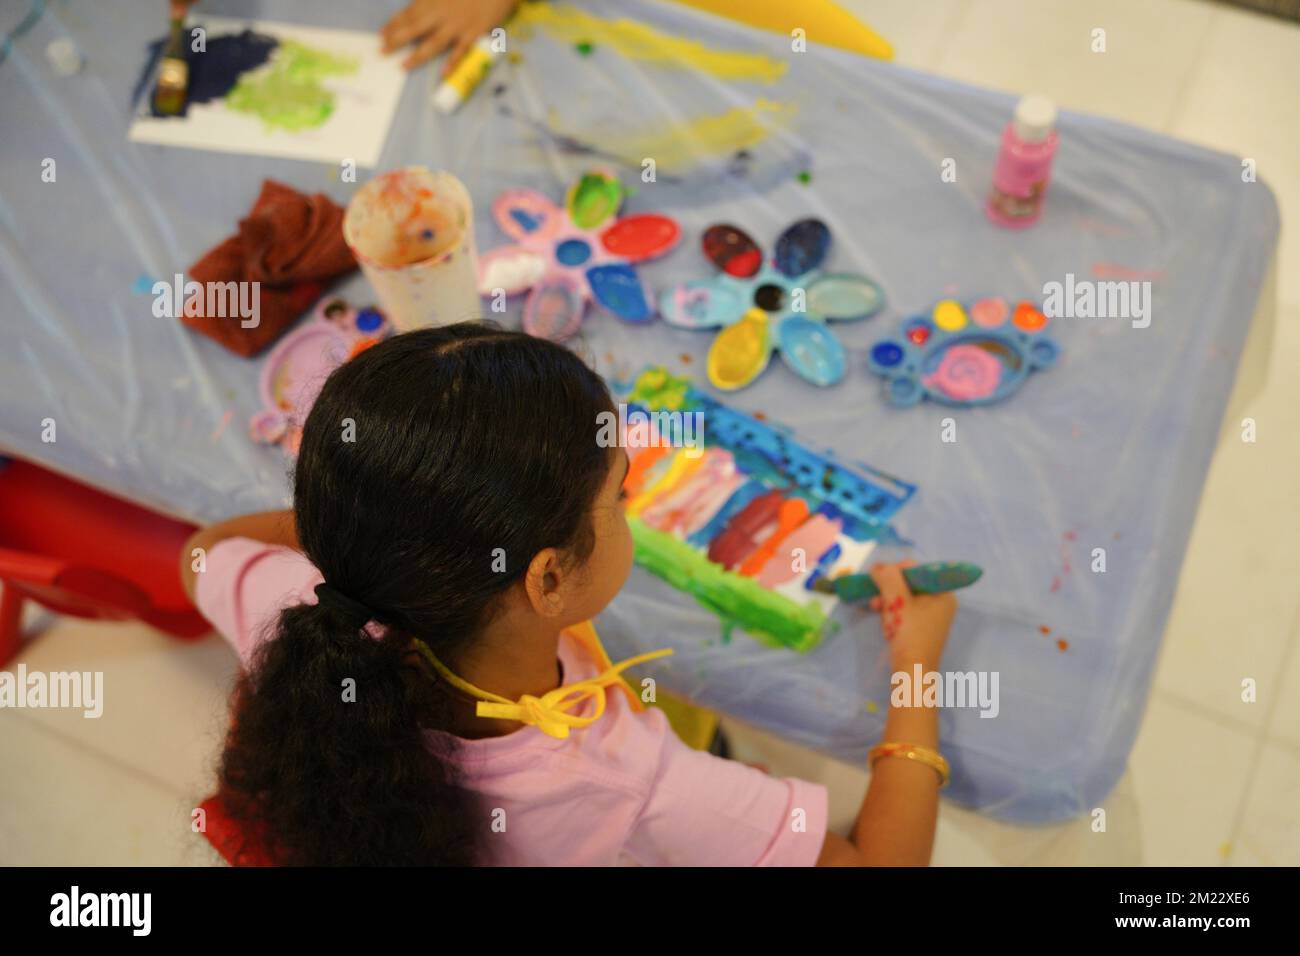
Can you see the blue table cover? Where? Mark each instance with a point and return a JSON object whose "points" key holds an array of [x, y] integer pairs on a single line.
{"points": [[1107, 450]]}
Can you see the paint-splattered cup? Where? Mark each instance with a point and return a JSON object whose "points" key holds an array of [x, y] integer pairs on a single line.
{"points": [[412, 232]]}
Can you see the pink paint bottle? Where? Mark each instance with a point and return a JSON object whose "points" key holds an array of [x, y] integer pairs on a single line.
{"points": [[1024, 164]]}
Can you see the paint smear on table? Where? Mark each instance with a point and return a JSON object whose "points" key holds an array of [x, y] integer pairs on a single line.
{"points": [[637, 41], [678, 146]]}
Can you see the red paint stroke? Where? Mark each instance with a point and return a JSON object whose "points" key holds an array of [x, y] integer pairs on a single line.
{"points": [[793, 513], [736, 542], [1056, 585]]}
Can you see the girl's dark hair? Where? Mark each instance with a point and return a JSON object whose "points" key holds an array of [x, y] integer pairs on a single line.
{"points": [[422, 456]]}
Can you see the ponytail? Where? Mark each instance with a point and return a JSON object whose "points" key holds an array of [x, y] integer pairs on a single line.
{"points": [[344, 714]]}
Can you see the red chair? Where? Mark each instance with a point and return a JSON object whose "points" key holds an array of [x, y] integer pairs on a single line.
{"points": [[81, 552], [229, 839]]}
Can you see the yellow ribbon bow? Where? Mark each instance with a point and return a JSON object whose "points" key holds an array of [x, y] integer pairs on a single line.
{"points": [[550, 712]]}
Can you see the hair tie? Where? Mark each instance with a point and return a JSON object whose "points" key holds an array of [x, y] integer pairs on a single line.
{"points": [[354, 611]]}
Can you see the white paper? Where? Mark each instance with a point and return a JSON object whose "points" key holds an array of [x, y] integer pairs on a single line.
{"points": [[364, 104]]}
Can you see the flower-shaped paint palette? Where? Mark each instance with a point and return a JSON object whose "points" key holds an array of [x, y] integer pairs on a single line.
{"points": [[964, 355], [295, 370], [782, 305], [568, 257]]}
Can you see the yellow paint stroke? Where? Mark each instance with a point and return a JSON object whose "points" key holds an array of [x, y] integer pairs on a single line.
{"points": [[823, 22], [680, 468], [637, 41], [677, 146]]}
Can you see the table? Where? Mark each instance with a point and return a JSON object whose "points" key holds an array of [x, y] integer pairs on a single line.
{"points": [[1107, 450]]}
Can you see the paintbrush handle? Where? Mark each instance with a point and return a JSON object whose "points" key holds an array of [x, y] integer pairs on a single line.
{"points": [[932, 578]]}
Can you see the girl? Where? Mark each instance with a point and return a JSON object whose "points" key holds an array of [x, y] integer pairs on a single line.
{"points": [[420, 682]]}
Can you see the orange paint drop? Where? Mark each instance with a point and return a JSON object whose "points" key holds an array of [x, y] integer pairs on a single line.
{"points": [[686, 358], [760, 416], [1027, 318], [1044, 629], [1062, 645]]}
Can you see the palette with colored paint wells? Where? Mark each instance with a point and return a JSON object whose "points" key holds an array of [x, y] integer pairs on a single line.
{"points": [[567, 257], [781, 306], [741, 516], [964, 355], [293, 373]]}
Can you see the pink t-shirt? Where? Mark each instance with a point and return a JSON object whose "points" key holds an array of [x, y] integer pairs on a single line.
{"points": [[623, 790]]}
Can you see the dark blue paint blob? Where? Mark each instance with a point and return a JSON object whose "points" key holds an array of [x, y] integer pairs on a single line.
{"points": [[527, 221], [802, 247], [887, 354], [368, 320], [215, 72], [573, 252]]}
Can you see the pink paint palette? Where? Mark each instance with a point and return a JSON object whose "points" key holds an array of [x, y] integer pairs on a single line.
{"points": [[294, 371]]}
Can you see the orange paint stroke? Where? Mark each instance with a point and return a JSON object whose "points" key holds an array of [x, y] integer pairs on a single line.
{"points": [[683, 465], [640, 467], [794, 512]]}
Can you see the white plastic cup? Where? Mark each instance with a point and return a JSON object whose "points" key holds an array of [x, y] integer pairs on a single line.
{"points": [[412, 232]]}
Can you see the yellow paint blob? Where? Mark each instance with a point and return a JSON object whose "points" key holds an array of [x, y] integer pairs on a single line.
{"points": [[949, 315], [823, 22], [637, 41], [740, 352]]}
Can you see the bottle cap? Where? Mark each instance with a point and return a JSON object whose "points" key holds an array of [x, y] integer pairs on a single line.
{"points": [[1035, 118], [446, 98]]}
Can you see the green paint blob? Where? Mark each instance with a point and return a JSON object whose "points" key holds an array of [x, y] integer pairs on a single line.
{"points": [[584, 47], [287, 92], [658, 389], [593, 199], [740, 601], [805, 177]]}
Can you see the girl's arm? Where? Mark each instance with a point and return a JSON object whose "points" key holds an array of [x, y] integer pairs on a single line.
{"points": [[895, 826], [273, 527]]}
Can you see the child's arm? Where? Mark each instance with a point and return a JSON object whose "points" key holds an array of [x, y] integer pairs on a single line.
{"points": [[273, 527], [895, 826]]}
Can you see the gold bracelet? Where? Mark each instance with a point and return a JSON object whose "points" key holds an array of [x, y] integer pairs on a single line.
{"points": [[931, 758]]}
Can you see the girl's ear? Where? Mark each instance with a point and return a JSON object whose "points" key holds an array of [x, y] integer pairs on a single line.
{"points": [[542, 583]]}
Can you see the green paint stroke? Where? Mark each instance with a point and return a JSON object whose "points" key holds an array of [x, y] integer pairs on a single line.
{"points": [[287, 93], [740, 601]]}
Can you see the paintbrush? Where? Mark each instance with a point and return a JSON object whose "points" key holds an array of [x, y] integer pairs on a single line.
{"points": [[174, 71], [930, 578]]}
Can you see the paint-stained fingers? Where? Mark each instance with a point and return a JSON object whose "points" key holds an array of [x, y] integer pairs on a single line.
{"points": [[893, 588], [457, 54], [429, 47]]}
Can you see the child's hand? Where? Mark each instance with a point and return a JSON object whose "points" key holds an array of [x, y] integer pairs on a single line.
{"points": [[916, 626], [441, 24]]}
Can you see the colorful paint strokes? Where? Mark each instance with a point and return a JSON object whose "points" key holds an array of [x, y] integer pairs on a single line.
{"points": [[782, 306], [960, 354], [277, 89], [568, 257], [742, 517]]}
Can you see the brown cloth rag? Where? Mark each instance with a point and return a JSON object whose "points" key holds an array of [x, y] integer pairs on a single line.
{"points": [[290, 243]]}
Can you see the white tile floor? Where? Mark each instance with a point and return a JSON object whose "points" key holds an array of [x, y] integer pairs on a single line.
{"points": [[1211, 780]]}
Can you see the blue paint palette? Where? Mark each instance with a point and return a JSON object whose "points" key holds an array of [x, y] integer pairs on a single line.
{"points": [[964, 355]]}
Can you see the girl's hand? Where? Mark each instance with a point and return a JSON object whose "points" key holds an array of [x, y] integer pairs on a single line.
{"points": [[916, 626], [437, 25]]}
